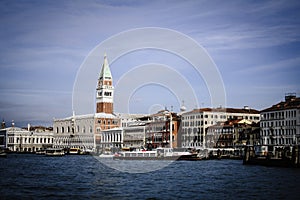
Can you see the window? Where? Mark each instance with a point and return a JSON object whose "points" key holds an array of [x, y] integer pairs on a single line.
{"points": [[107, 93]]}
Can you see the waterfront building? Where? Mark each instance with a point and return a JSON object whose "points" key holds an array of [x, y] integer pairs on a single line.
{"points": [[75, 132], [232, 134], [247, 133], [158, 129], [280, 123], [16, 139], [84, 131], [127, 119], [111, 140], [195, 123], [126, 138], [134, 136], [220, 135]]}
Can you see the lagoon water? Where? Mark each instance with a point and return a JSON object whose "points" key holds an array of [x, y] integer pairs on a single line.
{"points": [[84, 177]]}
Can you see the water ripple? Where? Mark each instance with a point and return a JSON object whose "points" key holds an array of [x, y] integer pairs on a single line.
{"points": [[78, 177]]}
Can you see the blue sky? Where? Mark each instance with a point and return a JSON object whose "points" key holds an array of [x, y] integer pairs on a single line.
{"points": [[254, 44]]}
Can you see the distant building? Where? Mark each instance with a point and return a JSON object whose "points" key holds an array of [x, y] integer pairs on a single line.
{"points": [[280, 123], [75, 132], [232, 134], [111, 140], [127, 119], [84, 131], [157, 130], [148, 131], [22, 140], [195, 123], [220, 136], [134, 136]]}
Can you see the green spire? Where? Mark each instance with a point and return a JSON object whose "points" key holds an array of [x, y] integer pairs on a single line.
{"points": [[105, 71]]}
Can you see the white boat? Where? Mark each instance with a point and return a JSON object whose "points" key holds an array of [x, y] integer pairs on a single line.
{"points": [[40, 152], [107, 153], [54, 152], [106, 156], [3, 153], [74, 151], [157, 154], [136, 155]]}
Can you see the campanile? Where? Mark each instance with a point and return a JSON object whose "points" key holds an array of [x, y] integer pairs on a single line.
{"points": [[105, 90]]}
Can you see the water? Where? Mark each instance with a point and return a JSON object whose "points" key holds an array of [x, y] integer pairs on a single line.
{"points": [[83, 177]]}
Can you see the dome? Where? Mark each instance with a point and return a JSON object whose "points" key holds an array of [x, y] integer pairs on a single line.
{"points": [[182, 108]]}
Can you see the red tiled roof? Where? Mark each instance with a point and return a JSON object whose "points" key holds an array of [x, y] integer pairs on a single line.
{"points": [[227, 110], [289, 104]]}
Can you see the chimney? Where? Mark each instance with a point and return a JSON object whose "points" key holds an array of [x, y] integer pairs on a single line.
{"points": [[246, 108], [290, 96]]}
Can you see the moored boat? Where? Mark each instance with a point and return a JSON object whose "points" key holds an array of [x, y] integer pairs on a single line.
{"points": [[106, 156], [157, 154], [54, 152], [41, 152], [74, 151], [3, 153]]}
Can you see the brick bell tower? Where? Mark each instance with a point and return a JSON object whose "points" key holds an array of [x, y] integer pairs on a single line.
{"points": [[105, 90]]}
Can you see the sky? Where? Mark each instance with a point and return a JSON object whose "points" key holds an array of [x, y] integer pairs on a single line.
{"points": [[255, 46]]}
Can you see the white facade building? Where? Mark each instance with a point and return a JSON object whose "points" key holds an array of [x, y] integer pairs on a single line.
{"points": [[195, 123], [22, 140], [127, 120], [280, 124], [124, 137], [111, 138], [75, 132], [134, 136]]}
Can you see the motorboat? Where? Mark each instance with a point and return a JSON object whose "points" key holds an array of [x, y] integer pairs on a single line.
{"points": [[54, 152], [74, 151], [41, 152], [3, 153], [110, 156], [157, 154]]}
